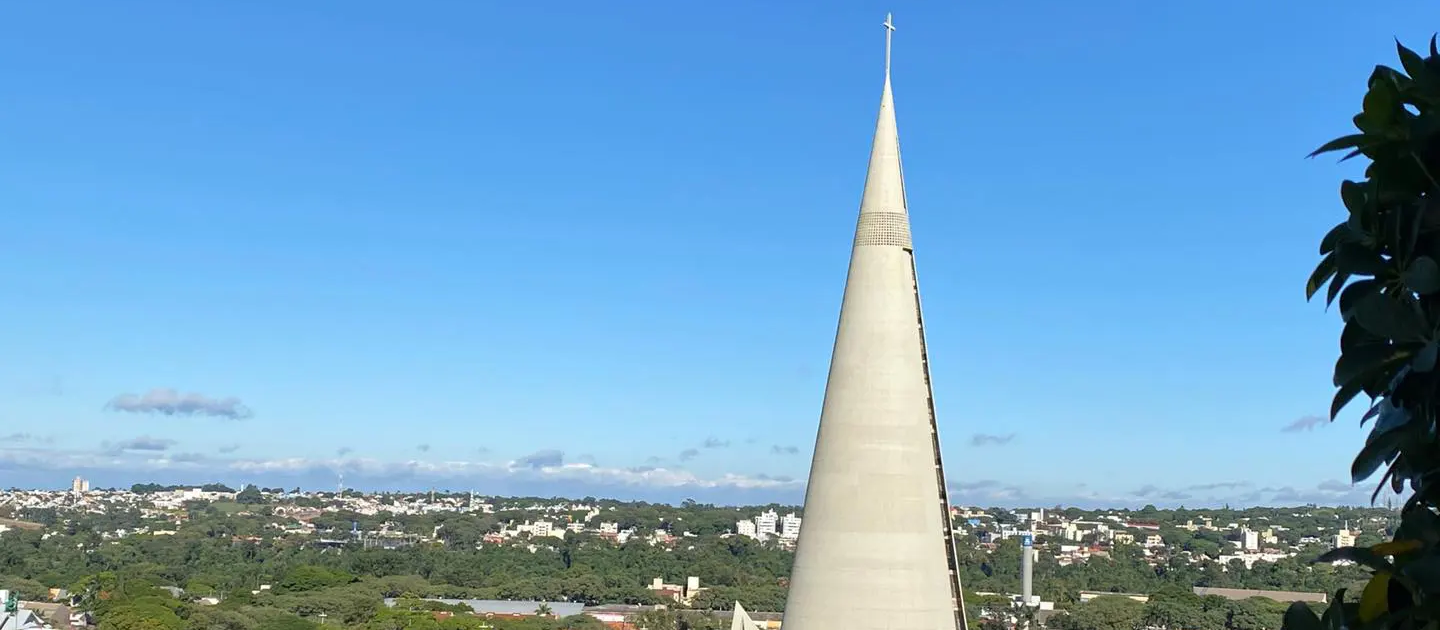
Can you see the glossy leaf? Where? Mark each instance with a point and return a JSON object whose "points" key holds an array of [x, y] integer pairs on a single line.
{"points": [[1351, 297], [1426, 569], [1353, 196], [1347, 393], [1379, 104], [1362, 124], [1376, 453], [1390, 418], [1419, 524], [1336, 283], [1388, 317], [1373, 411], [1354, 335], [1334, 237], [1353, 258], [1322, 274], [1334, 617], [1423, 275], [1424, 361], [1343, 142], [1299, 617], [1385, 480], [1413, 64], [1397, 378], [1366, 362]]}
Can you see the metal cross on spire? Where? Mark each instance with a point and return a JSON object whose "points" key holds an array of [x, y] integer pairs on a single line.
{"points": [[889, 32]]}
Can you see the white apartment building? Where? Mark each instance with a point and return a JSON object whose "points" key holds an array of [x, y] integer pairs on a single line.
{"points": [[1249, 539], [765, 523], [746, 528], [790, 527]]}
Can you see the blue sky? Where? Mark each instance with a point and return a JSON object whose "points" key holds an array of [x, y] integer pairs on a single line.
{"points": [[433, 244]]}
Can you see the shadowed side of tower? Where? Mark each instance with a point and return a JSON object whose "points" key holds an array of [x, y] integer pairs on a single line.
{"points": [[875, 551]]}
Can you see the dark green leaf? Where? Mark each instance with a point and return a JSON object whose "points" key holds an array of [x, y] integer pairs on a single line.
{"points": [[1388, 317], [1334, 237], [1354, 258], [1352, 195], [1343, 397], [1358, 555], [1322, 274], [1423, 275], [1356, 222], [1365, 362], [1361, 123], [1354, 294], [1344, 142], [1334, 617], [1336, 283], [1425, 569], [1299, 617], [1384, 481], [1377, 452], [1398, 377], [1419, 523], [1433, 51], [1384, 76], [1354, 336], [1413, 64], [1379, 104], [1373, 411], [1425, 359], [1390, 418]]}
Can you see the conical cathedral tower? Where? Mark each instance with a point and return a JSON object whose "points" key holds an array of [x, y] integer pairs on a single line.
{"points": [[875, 551]]}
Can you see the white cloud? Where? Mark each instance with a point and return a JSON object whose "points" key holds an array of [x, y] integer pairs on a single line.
{"points": [[546, 473], [543, 471]]}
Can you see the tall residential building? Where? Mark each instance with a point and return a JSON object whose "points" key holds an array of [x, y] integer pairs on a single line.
{"points": [[876, 550], [790, 526], [1249, 539], [1343, 538], [79, 485], [765, 523]]}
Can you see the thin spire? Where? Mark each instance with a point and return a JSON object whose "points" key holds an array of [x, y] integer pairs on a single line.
{"points": [[885, 180], [889, 33]]}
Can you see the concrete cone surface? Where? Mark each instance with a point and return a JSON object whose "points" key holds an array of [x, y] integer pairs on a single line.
{"points": [[875, 550]]}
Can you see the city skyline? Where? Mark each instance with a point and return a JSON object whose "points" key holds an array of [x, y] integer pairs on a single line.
{"points": [[287, 257]]}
